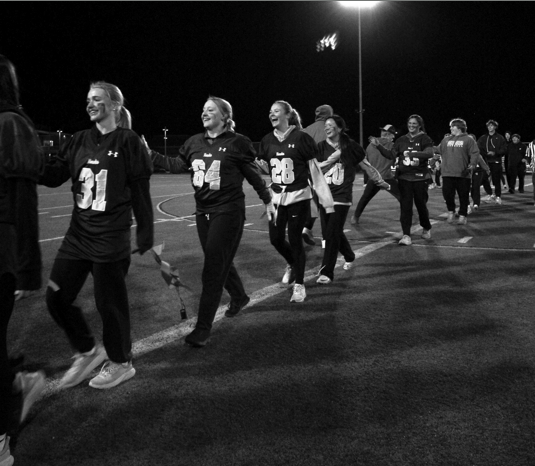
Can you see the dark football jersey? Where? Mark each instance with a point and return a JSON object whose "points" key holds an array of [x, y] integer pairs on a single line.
{"points": [[218, 167], [340, 176], [288, 160], [416, 169], [102, 168]]}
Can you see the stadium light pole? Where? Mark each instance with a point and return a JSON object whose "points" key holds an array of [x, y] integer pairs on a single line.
{"points": [[59, 138], [359, 6], [165, 140]]}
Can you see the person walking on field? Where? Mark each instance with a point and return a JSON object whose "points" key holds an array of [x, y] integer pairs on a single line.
{"points": [[384, 166], [516, 155], [493, 147], [110, 171]]}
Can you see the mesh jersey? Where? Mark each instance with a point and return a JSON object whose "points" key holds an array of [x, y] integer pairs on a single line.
{"points": [[103, 168], [218, 167], [340, 177], [417, 169], [288, 159]]}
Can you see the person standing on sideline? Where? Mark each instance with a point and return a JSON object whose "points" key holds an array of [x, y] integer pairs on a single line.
{"points": [[384, 166], [317, 131], [340, 156], [292, 156], [219, 160], [493, 147], [516, 155], [413, 151], [21, 161], [110, 171], [481, 169], [460, 155]]}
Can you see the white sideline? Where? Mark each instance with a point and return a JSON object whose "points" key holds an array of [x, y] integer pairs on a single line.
{"points": [[179, 331]]}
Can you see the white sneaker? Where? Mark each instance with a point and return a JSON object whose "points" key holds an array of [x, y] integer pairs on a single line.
{"points": [[6, 459], [450, 217], [289, 276], [426, 234], [112, 374], [469, 210], [499, 200], [323, 280], [474, 209], [348, 265], [462, 220], [299, 294], [489, 198], [82, 366], [406, 240]]}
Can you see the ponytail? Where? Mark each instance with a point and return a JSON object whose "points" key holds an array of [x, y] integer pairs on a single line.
{"points": [[123, 117]]}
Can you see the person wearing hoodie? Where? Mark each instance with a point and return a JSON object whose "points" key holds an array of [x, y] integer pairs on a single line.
{"points": [[413, 151], [516, 157], [317, 131], [481, 169], [493, 147], [384, 166], [460, 155]]}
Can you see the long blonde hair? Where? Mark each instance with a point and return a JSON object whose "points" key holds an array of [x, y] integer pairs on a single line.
{"points": [[123, 118]]}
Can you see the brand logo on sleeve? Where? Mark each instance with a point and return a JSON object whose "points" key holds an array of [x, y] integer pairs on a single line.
{"points": [[115, 154]]}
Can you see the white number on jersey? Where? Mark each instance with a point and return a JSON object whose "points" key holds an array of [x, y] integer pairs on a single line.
{"points": [[335, 175], [88, 179], [212, 176], [282, 171]]}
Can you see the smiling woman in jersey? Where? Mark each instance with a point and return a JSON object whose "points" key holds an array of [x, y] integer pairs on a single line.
{"points": [[110, 171], [219, 159], [291, 154]]}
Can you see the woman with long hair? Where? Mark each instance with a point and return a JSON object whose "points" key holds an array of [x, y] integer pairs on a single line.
{"points": [[110, 171], [412, 151], [219, 160], [291, 155], [21, 161]]}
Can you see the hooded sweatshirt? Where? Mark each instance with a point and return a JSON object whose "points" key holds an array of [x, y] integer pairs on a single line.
{"points": [[457, 153], [317, 129]]}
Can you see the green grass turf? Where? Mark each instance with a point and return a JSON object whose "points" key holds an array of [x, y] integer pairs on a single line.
{"points": [[419, 355]]}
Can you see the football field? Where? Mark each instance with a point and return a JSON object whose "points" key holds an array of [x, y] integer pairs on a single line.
{"points": [[418, 355]]}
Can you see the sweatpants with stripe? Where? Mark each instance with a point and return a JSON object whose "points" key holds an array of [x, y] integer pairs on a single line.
{"points": [[67, 279], [220, 234], [294, 216]]}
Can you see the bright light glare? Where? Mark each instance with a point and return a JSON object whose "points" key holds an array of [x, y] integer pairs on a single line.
{"points": [[328, 41], [359, 4]]}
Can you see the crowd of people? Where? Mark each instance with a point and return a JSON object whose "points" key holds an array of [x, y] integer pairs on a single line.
{"points": [[312, 173]]}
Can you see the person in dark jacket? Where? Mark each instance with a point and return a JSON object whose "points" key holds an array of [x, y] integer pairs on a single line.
{"points": [[493, 147], [21, 161], [516, 155]]}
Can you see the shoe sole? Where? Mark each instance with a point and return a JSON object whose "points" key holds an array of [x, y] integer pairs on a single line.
{"points": [[308, 240], [103, 357], [196, 344], [126, 376]]}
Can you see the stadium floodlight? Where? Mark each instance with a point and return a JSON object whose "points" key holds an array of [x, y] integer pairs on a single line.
{"points": [[359, 6], [165, 140]]}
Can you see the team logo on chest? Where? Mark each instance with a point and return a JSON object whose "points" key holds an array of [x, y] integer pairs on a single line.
{"points": [[224, 149], [115, 154]]}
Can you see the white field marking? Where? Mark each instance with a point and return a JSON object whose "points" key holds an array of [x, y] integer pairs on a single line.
{"points": [[414, 229], [465, 239], [179, 331], [42, 213], [55, 208], [248, 224], [58, 216]]}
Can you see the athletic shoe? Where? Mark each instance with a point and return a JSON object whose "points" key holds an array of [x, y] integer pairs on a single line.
{"points": [[426, 234], [450, 217], [198, 338], [405, 241], [469, 210], [299, 294], [323, 280], [234, 307], [308, 237], [489, 198], [499, 200], [462, 220], [83, 365], [432, 186], [5, 455], [112, 374], [354, 220], [289, 276], [32, 384], [474, 209], [348, 265]]}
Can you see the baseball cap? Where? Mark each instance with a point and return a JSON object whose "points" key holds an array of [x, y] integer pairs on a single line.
{"points": [[389, 128]]}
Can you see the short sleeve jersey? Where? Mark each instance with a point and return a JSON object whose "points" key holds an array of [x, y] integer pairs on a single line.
{"points": [[102, 166], [340, 176], [416, 169], [217, 166], [288, 160]]}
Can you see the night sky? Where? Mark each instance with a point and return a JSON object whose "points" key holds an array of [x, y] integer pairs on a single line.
{"points": [[439, 59]]}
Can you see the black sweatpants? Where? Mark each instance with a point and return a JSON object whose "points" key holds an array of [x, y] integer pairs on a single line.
{"points": [[452, 185], [293, 251], [111, 299], [413, 192], [371, 190], [475, 189], [517, 171], [220, 234], [335, 239], [496, 176], [7, 301]]}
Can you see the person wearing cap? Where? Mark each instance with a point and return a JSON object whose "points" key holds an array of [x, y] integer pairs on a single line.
{"points": [[516, 156], [317, 131], [383, 166], [460, 155], [493, 147]]}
